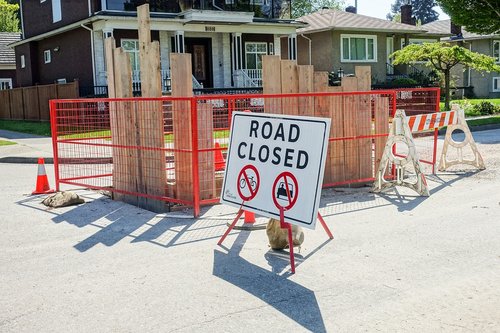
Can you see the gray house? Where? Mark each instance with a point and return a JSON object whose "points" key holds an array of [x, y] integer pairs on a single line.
{"points": [[336, 40], [8, 60], [468, 81]]}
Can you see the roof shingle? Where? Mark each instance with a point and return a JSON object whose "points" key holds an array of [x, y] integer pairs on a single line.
{"points": [[7, 55], [330, 19]]}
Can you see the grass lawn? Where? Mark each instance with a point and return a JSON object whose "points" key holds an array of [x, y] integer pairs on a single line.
{"points": [[484, 121], [6, 143], [29, 127], [468, 103]]}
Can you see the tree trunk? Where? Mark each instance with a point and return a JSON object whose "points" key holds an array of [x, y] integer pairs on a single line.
{"points": [[447, 90]]}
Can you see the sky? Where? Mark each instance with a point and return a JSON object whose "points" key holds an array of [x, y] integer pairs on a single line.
{"points": [[380, 8]]}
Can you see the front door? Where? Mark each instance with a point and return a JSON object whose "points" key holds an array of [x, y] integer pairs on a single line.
{"points": [[201, 53]]}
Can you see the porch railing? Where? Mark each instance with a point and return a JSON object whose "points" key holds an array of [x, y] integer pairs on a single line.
{"points": [[244, 78], [166, 84]]}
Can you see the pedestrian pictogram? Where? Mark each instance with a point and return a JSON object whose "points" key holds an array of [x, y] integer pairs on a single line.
{"points": [[248, 182], [285, 191]]}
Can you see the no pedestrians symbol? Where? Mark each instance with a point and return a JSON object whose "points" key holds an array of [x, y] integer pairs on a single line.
{"points": [[248, 182], [285, 191]]}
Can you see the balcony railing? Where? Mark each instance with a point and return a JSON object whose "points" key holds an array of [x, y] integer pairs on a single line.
{"points": [[271, 9]]}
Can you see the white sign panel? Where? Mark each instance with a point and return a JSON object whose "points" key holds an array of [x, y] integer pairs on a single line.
{"points": [[276, 162]]}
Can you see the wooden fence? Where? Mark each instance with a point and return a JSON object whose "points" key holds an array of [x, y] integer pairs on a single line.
{"points": [[32, 103]]}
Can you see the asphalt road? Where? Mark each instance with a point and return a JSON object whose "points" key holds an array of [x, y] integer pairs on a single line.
{"points": [[398, 263]]}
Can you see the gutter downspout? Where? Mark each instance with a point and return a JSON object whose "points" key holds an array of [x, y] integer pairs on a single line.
{"points": [[22, 14], [90, 9], [310, 46], [91, 51]]}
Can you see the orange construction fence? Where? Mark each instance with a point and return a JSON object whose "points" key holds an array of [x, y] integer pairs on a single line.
{"points": [[97, 149]]}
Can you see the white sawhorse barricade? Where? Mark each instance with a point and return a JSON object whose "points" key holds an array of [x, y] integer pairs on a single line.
{"points": [[401, 131]]}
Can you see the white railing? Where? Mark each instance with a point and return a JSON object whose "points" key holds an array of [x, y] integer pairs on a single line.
{"points": [[244, 78], [166, 83]]}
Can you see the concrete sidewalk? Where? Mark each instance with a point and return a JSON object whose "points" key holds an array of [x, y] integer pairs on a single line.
{"points": [[28, 149]]}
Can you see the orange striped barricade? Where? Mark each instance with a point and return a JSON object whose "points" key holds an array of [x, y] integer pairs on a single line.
{"points": [[400, 133], [459, 124]]}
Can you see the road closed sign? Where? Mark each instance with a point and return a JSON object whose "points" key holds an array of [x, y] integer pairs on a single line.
{"points": [[274, 163]]}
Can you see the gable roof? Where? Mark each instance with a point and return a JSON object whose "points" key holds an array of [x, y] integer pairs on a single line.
{"points": [[331, 19], [7, 55], [443, 27]]}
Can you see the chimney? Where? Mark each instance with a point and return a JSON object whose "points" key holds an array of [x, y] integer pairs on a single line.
{"points": [[351, 9], [406, 12], [455, 30]]}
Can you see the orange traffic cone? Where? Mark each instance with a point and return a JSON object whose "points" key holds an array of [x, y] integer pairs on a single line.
{"points": [[220, 163], [249, 217], [42, 182]]}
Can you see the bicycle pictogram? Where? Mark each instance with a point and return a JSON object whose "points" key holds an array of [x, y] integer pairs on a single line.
{"points": [[248, 182]]}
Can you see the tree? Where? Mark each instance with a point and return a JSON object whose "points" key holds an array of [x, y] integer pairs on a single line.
{"points": [[479, 16], [443, 57], [304, 7], [9, 21], [422, 10]]}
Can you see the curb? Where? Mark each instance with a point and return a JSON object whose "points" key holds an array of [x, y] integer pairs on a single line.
{"points": [[25, 160], [478, 128]]}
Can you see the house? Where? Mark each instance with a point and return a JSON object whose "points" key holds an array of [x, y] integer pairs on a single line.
{"points": [[468, 81], [63, 40], [7, 60], [336, 41]]}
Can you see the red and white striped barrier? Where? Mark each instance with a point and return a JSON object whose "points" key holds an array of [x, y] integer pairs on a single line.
{"points": [[425, 122], [401, 131]]}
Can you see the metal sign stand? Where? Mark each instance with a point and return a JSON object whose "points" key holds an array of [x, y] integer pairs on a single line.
{"points": [[283, 225]]}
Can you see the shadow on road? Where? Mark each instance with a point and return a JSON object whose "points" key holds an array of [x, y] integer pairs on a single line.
{"points": [[278, 291]]}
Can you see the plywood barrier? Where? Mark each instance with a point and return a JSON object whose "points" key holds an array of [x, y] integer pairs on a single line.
{"points": [[364, 122]]}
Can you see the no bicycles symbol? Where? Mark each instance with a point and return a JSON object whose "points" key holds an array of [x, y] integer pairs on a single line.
{"points": [[285, 191], [248, 182]]}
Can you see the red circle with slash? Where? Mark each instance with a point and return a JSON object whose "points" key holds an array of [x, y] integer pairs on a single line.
{"points": [[248, 182], [286, 189]]}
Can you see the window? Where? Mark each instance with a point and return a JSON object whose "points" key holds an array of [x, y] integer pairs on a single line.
{"points": [[23, 61], [5, 84], [418, 41], [56, 11], [131, 46], [496, 84], [496, 50], [358, 48], [253, 54], [61, 81], [47, 57]]}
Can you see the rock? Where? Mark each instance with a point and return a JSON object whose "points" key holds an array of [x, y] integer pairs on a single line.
{"points": [[278, 238], [62, 199]]}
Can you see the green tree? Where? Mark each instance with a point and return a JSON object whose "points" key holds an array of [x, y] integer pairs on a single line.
{"points": [[422, 10], [9, 21], [304, 7], [479, 16], [443, 57]]}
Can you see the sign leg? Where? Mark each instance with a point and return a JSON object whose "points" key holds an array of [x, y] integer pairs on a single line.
{"points": [[323, 223], [290, 238], [230, 227]]}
